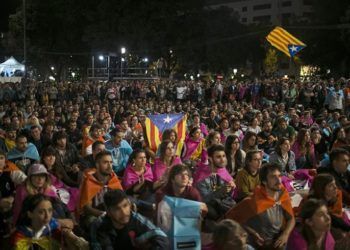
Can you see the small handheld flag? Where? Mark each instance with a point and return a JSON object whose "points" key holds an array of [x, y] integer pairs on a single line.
{"points": [[285, 42]]}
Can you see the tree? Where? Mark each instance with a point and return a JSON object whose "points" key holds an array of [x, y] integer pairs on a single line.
{"points": [[328, 48], [271, 62]]}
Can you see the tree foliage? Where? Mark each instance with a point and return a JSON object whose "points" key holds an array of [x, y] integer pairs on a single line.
{"points": [[329, 47], [67, 32]]}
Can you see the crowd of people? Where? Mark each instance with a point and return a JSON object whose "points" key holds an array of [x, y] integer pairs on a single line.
{"points": [[77, 170]]}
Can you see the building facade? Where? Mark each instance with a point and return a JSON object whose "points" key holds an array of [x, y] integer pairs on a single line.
{"points": [[270, 12]]}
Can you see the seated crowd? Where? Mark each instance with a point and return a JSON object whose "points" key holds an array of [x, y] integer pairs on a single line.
{"points": [[267, 172]]}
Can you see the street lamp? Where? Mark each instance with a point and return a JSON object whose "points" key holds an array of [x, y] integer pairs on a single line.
{"points": [[122, 51], [101, 57]]}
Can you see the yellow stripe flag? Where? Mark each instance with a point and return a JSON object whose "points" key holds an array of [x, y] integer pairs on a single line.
{"points": [[285, 42]]}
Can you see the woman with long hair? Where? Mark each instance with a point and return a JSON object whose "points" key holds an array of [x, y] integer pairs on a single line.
{"points": [[171, 134], [250, 142], [166, 160], [254, 126], [213, 137], [229, 234], [68, 195], [138, 176], [194, 145], [284, 157], [197, 123], [324, 187], [38, 229], [339, 138], [314, 233], [234, 154], [248, 177], [37, 182], [304, 151]]}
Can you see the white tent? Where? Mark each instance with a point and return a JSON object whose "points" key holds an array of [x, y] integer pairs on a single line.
{"points": [[10, 66]]}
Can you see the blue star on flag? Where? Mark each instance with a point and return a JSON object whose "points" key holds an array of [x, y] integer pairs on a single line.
{"points": [[294, 49]]}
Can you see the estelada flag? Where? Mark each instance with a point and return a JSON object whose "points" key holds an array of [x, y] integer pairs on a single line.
{"points": [[285, 42], [157, 124]]}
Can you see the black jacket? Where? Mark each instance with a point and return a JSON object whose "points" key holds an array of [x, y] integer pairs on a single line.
{"points": [[105, 236]]}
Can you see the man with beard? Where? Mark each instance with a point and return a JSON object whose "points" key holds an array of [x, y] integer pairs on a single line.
{"points": [[266, 139], [284, 130], [9, 141], [122, 228], [214, 183], [267, 215], [23, 154], [96, 182]]}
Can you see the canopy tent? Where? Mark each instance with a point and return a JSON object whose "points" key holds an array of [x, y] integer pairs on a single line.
{"points": [[11, 67]]}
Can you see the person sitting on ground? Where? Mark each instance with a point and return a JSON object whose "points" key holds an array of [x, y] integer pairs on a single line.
{"points": [[178, 185], [37, 229], [89, 160], [314, 231], [247, 178], [324, 188], [37, 182], [23, 154], [235, 155], [267, 215], [120, 150], [250, 142], [214, 183], [284, 130], [163, 164], [266, 140], [96, 182], [138, 180], [338, 168], [8, 141], [194, 146], [68, 194], [67, 158], [284, 157], [304, 150], [121, 228], [10, 177], [228, 235], [95, 134]]}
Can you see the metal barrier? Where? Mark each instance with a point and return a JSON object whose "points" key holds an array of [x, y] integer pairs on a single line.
{"points": [[121, 73]]}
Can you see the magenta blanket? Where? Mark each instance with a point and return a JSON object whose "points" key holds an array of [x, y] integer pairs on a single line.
{"points": [[296, 241], [300, 174], [190, 147], [21, 194], [203, 171], [131, 177], [73, 192], [159, 168]]}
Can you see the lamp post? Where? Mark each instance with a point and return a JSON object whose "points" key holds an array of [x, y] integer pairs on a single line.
{"points": [[122, 51], [24, 40]]}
